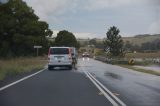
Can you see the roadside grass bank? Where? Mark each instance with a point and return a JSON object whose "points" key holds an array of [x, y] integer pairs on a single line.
{"points": [[140, 69], [20, 65], [142, 55], [129, 64]]}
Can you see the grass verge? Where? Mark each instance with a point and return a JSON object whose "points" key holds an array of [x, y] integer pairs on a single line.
{"points": [[142, 55], [20, 65], [141, 70]]}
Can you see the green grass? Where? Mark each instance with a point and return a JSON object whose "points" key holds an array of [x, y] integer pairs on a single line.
{"points": [[142, 55], [141, 70], [20, 65]]}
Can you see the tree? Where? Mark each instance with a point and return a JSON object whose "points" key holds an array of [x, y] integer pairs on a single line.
{"points": [[65, 38], [128, 46], [136, 48], [93, 42], [114, 42], [20, 30]]}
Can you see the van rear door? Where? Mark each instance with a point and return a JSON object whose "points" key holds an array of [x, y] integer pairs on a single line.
{"points": [[59, 55]]}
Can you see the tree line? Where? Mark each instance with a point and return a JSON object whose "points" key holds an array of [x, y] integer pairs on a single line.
{"points": [[152, 46], [21, 30]]}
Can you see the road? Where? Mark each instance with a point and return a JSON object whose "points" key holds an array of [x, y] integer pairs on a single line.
{"points": [[93, 84], [132, 87]]}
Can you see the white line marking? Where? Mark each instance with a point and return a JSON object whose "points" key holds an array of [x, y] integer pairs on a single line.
{"points": [[105, 94], [116, 98], [9, 85]]}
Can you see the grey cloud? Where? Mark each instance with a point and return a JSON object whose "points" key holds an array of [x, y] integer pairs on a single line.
{"points": [[155, 2], [4, 1]]}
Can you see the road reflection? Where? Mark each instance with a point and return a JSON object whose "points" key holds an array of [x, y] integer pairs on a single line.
{"points": [[85, 58]]}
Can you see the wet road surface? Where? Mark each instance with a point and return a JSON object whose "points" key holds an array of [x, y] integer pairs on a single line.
{"points": [[54, 88], [94, 83], [133, 88]]}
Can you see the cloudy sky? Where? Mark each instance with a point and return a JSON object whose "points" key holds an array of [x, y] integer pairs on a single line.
{"points": [[92, 18]]}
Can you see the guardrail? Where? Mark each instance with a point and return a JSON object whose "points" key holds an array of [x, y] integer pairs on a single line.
{"points": [[104, 59], [112, 61]]}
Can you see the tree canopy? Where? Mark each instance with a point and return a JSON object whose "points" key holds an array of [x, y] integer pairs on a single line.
{"points": [[114, 42], [20, 30], [65, 38]]}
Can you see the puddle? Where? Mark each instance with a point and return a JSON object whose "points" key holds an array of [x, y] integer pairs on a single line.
{"points": [[112, 75]]}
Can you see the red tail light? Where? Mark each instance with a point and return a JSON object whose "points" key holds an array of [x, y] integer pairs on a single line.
{"points": [[70, 55], [69, 50]]}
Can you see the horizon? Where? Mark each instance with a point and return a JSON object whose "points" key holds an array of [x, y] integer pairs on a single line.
{"points": [[82, 37]]}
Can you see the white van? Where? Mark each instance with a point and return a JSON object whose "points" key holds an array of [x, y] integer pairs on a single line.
{"points": [[59, 57]]}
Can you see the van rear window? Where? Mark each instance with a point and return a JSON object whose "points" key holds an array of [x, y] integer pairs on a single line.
{"points": [[59, 51]]}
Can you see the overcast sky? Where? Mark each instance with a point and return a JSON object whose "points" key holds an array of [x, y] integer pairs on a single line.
{"points": [[92, 18]]}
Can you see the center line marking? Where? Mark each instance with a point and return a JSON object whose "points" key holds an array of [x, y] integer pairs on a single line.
{"points": [[115, 101], [107, 90], [101, 90]]}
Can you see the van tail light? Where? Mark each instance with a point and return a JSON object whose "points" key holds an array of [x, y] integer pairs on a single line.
{"points": [[70, 55], [69, 50]]}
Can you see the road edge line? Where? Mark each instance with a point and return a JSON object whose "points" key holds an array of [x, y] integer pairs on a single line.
{"points": [[20, 80], [104, 93], [107, 90]]}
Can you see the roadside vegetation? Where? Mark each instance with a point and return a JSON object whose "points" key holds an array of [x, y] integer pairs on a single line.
{"points": [[140, 69], [126, 54], [113, 42], [138, 40], [66, 38], [129, 64], [142, 55], [21, 30], [12, 67]]}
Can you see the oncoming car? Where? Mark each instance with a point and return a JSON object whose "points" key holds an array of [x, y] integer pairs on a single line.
{"points": [[85, 54], [59, 57]]}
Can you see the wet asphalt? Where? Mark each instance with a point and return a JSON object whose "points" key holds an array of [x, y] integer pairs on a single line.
{"points": [[73, 87], [54, 88], [132, 87]]}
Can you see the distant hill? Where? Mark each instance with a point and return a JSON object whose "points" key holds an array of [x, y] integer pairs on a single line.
{"points": [[139, 39], [136, 40]]}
